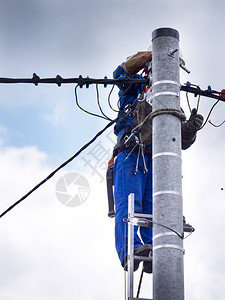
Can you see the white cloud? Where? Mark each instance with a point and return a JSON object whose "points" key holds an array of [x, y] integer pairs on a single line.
{"points": [[50, 251]]}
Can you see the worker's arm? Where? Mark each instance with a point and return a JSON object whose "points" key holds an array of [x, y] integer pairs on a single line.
{"points": [[137, 62]]}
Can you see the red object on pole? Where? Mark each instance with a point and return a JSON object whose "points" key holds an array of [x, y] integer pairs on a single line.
{"points": [[223, 95]]}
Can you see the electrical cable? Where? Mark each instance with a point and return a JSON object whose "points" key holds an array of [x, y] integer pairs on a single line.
{"points": [[210, 113], [99, 105], [215, 124], [188, 235], [84, 110], [140, 282], [198, 102], [189, 131], [109, 99], [121, 115], [188, 102], [60, 167], [118, 102], [126, 220]]}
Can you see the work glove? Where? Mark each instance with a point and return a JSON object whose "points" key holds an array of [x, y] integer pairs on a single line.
{"points": [[195, 121]]}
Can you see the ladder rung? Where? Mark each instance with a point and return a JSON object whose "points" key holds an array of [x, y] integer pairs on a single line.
{"points": [[138, 215], [145, 258], [141, 299]]}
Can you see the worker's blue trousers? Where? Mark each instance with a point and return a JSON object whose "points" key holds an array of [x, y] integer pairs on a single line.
{"points": [[126, 182]]}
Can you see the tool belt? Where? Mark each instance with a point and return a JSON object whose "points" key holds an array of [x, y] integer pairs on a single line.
{"points": [[131, 145]]}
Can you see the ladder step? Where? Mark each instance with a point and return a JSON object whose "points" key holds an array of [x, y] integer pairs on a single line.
{"points": [[144, 258], [138, 215], [141, 299]]}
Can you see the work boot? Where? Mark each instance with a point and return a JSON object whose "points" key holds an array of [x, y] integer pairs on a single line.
{"points": [[142, 250]]}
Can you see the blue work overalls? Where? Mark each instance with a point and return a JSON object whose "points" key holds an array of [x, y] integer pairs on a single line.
{"points": [[126, 180]]}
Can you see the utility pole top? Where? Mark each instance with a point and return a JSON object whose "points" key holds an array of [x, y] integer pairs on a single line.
{"points": [[165, 32]]}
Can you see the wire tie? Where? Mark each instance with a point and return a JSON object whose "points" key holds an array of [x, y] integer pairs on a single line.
{"points": [[59, 80], [105, 84], [80, 81], [87, 84], [35, 79]]}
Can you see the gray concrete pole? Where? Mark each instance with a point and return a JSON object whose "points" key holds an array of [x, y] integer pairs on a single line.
{"points": [[168, 278]]}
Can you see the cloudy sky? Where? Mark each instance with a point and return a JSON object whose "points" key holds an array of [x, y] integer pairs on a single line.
{"points": [[51, 251]]}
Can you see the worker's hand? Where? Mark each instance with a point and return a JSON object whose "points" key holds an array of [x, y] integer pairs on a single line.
{"points": [[195, 121], [137, 62]]}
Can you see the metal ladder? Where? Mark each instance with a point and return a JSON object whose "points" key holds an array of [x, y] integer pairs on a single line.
{"points": [[137, 219], [134, 219]]}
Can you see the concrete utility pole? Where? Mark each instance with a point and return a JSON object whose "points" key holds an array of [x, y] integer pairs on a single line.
{"points": [[168, 277]]}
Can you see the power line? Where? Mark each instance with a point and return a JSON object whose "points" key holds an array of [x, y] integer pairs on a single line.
{"points": [[81, 81], [59, 168]]}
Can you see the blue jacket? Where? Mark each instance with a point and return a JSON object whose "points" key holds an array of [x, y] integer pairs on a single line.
{"points": [[127, 95]]}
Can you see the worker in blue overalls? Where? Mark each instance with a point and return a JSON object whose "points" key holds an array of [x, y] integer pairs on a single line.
{"points": [[133, 163]]}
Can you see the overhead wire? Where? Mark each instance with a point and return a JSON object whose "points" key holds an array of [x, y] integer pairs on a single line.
{"points": [[210, 113], [109, 99], [198, 102], [188, 102], [121, 115], [84, 110], [215, 124], [207, 118], [57, 169], [99, 105], [62, 165], [118, 102]]}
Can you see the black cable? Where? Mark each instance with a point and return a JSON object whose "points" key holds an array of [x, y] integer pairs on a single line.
{"points": [[122, 96], [210, 113], [80, 80], [198, 102], [99, 105], [188, 102], [189, 131], [215, 124], [109, 99], [140, 282], [126, 220], [60, 167], [84, 110], [188, 235], [197, 91], [159, 224]]}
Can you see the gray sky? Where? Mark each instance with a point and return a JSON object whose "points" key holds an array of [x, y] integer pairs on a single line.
{"points": [[50, 251]]}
